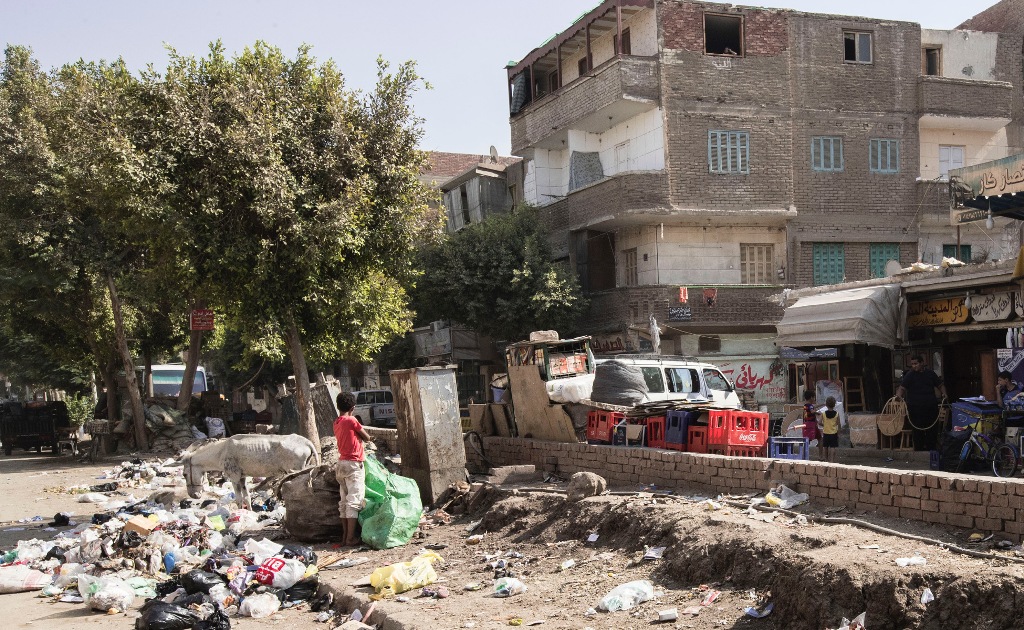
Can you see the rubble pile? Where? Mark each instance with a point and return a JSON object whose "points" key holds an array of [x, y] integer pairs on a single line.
{"points": [[197, 563]]}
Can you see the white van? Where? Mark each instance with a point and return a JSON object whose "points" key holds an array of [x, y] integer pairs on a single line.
{"points": [[167, 379], [682, 378]]}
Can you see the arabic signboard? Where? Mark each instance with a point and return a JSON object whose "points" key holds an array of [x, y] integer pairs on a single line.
{"points": [[937, 312], [679, 314], [991, 308], [765, 377], [201, 319], [997, 177], [432, 343]]}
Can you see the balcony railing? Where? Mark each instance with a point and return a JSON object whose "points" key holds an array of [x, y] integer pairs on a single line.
{"points": [[963, 98]]}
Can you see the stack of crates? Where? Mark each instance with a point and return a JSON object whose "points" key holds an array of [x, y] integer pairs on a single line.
{"points": [[737, 432], [601, 425], [697, 439]]}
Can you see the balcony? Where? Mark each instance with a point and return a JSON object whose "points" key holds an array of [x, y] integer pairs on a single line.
{"points": [[614, 91], [963, 103], [611, 202], [737, 308]]}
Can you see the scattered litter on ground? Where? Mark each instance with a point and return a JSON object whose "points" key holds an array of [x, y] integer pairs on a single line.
{"points": [[913, 561], [626, 596], [927, 596]]}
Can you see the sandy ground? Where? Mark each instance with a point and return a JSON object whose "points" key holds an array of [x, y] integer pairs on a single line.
{"points": [[813, 574]]}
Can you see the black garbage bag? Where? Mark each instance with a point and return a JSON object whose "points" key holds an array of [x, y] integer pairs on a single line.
{"points": [[99, 519], [304, 589], [55, 553], [299, 552], [949, 451], [322, 602], [616, 383], [216, 621], [104, 487], [197, 581], [60, 519], [130, 540], [158, 615], [163, 589]]}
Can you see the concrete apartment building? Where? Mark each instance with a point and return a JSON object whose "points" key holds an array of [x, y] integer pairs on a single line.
{"points": [[694, 158]]}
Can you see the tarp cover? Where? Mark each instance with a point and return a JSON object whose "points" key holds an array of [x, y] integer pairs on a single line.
{"points": [[869, 315]]}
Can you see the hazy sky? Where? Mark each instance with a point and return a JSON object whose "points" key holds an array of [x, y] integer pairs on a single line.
{"points": [[461, 46]]}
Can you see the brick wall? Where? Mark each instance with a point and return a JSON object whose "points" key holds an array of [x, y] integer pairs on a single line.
{"points": [[963, 97], [737, 308], [388, 436], [989, 505], [613, 196], [857, 257], [1003, 17]]}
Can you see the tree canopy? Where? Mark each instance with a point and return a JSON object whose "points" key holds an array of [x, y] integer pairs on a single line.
{"points": [[498, 277]]}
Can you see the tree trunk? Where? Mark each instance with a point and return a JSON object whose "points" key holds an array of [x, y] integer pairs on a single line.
{"points": [[195, 344], [303, 401], [139, 420], [148, 374], [113, 404]]}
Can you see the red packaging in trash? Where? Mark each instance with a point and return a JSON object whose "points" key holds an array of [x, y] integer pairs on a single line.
{"points": [[279, 572]]}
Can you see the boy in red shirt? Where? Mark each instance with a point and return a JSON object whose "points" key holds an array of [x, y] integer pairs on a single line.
{"points": [[350, 436]]}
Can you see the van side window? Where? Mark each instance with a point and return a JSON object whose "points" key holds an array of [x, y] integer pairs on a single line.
{"points": [[361, 398], [716, 380], [682, 380], [652, 376], [388, 398]]}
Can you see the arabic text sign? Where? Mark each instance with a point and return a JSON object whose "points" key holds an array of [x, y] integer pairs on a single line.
{"points": [[936, 312], [766, 377], [998, 177], [991, 308], [201, 319]]}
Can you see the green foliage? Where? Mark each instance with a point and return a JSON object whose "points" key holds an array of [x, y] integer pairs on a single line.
{"points": [[80, 409], [498, 278]]}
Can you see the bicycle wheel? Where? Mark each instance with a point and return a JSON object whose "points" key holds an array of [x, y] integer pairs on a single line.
{"points": [[963, 466], [1004, 461]]}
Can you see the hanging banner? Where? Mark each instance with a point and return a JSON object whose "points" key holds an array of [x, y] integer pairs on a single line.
{"points": [[937, 312], [991, 308]]}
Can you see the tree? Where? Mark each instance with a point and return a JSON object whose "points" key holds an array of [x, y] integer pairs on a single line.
{"points": [[498, 277], [301, 199]]}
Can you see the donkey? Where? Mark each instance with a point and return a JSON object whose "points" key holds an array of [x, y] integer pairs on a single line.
{"points": [[247, 455]]}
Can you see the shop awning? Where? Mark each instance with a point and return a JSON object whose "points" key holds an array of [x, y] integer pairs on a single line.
{"points": [[870, 315]]}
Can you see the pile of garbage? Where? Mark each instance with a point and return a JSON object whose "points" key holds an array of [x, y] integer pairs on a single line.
{"points": [[197, 563], [169, 428]]}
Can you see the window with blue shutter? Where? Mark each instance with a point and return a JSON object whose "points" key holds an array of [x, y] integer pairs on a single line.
{"points": [[884, 156], [728, 152], [829, 263], [880, 254], [827, 153]]}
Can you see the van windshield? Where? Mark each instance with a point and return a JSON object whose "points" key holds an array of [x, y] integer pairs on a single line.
{"points": [[682, 380], [716, 380], [168, 382]]}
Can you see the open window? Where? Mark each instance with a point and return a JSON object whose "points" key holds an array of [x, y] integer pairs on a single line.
{"points": [[857, 47], [931, 61], [625, 46], [723, 34]]}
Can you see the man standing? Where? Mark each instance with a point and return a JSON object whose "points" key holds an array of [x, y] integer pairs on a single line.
{"points": [[918, 387], [350, 436]]}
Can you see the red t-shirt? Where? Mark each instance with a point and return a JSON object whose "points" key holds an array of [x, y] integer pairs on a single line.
{"points": [[350, 447]]}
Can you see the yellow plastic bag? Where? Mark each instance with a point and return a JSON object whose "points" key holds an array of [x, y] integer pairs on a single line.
{"points": [[405, 576]]}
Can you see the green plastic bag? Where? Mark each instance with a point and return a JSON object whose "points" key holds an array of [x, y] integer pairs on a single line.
{"points": [[393, 507]]}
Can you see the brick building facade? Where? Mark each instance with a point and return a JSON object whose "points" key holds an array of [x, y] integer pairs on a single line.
{"points": [[682, 144]]}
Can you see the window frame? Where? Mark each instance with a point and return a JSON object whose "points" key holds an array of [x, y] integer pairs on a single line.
{"points": [[819, 143], [671, 382], [623, 42], [583, 65], [630, 268], [742, 28], [650, 372], [824, 277], [951, 247], [875, 151], [857, 47], [949, 165], [768, 263], [735, 139], [711, 374], [878, 255], [938, 60]]}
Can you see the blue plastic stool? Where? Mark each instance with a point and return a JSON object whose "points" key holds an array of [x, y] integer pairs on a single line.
{"points": [[788, 448]]}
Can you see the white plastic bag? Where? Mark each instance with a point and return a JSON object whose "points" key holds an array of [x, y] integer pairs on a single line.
{"points": [[785, 498], [215, 427], [280, 572], [19, 578], [259, 606], [507, 587], [626, 596], [570, 390], [260, 550], [32, 550], [68, 574], [93, 497], [856, 624], [105, 593]]}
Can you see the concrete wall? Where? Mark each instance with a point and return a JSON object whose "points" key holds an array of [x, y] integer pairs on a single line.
{"points": [[643, 39], [979, 146], [987, 505], [965, 54]]}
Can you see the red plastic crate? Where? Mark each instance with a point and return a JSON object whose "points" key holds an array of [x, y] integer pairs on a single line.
{"points": [[737, 451], [735, 427], [656, 432], [697, 440], [601, 425]]}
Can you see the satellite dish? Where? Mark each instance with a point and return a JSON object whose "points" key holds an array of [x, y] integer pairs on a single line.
{"points": [[494, 155], [893, 268]]}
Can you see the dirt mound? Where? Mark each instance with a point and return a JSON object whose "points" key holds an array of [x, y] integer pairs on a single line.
{"points": [[816, 574]]}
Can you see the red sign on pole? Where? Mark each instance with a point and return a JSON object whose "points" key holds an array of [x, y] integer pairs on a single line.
{"points": [[201, 319]]}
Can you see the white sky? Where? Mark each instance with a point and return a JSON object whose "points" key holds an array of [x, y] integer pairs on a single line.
{"points": [[461, 46]]}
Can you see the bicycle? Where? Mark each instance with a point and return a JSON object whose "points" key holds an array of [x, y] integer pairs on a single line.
{"points": [[1004, 458]]}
